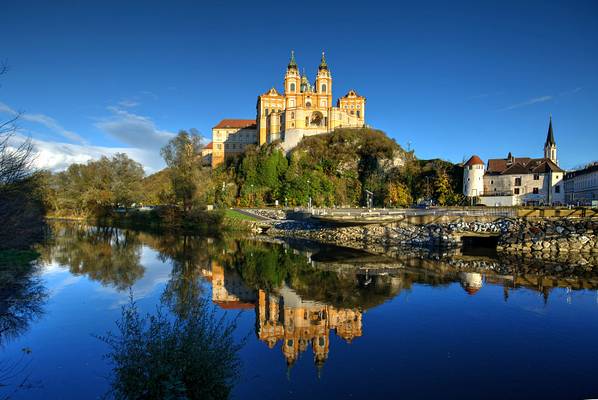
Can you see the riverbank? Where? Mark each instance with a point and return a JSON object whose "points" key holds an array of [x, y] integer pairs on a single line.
{"points": [[564, 240]]}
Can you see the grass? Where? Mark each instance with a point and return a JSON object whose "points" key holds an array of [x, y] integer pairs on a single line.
{"points": [[237, 216]]}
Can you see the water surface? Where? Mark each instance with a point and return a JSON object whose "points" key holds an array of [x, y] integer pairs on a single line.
{"points": [[320, 321]]}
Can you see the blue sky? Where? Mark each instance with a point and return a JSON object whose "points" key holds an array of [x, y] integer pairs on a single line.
{"points": [[449, 78]]}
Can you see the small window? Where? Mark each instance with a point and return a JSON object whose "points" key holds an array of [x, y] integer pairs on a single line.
{"points": [[557, 189], [536, 177], [292, 87], [306, 121], [517, 181], [323, 88], [536, 191], [292, 115], [358, 114], [492, 182], [516, 190]]}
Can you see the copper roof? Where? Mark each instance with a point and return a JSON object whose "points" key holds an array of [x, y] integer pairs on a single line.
{"points": [[474, 160], [236, 123]]}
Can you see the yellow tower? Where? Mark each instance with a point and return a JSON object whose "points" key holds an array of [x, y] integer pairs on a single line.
{"points": [[324, 88]]}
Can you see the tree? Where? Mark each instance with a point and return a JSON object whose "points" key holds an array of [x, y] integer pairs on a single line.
{"points": [[126, 180], [398, 194], [442, 188], [182, 155], [21, 205], [99, 185]]}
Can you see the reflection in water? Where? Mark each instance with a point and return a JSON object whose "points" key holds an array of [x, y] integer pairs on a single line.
{"points": [[108, 255], [22, 299], [301, 293]]}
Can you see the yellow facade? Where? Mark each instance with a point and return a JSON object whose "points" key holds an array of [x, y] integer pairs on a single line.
{"points": [[300, 325], [305, 107]]}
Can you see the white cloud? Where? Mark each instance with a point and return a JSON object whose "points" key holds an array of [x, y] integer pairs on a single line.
{"points": [[528, 102], [57, 156], [44, 120], [134, 130], [128, 103]]}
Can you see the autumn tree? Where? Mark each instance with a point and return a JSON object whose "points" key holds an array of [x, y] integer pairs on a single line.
{"points": [[182, 155]]}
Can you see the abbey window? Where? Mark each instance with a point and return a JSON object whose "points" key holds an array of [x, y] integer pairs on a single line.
{"points": [[323, 88], [292, 89]]}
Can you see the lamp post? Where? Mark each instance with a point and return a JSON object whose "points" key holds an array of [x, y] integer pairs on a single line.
{"points": [[309, 195], [251, 198]]}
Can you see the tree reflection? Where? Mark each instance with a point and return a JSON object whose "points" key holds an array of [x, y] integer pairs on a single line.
{"points": [[22, 297], [188, 356], [105, 254]]}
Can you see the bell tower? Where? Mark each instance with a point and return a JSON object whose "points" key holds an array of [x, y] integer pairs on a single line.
{"points": [[291, 77], [324, 84], [550, 144]]}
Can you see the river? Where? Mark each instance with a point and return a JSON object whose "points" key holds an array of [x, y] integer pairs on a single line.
{"points": [[318, 321]]}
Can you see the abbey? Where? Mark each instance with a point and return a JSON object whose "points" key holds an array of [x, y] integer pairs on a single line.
{"points": [[302, 109]]}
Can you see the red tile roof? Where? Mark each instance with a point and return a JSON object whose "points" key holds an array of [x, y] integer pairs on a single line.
{"points": [[209, 146], [521, 165], [474, 160], [234, 305], [236, 123]]}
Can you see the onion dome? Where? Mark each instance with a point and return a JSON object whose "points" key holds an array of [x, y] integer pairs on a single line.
{"points": [[323, 64], [292, 62]]}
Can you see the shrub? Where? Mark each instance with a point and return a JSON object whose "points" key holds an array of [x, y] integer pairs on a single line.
{"points": [[190, 356]]}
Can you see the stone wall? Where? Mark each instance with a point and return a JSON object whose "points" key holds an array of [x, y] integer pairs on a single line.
{"points": [[567, 241], [555, 236]]}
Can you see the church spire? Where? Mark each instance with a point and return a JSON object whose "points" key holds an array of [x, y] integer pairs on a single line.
{"points": [[323, 64], [550, 145], [292, 62], [550, 136]]}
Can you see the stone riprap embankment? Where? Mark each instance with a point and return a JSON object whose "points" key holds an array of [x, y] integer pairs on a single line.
{"points": [[551, 236], [564, 240]]}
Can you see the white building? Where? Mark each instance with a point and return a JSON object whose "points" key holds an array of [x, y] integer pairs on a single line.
{"points": [[515, 181], [581, 186]]}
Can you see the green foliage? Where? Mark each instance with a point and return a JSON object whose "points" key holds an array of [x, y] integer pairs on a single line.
{"points": [[182, 155], [190, 356], [22, 210], [157, 188], [96, 187]]}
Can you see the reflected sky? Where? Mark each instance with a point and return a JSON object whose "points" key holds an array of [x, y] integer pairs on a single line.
{"points": [[320, 325]]}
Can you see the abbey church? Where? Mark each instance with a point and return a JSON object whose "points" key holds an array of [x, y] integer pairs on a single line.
{"points": [[302, 109]]}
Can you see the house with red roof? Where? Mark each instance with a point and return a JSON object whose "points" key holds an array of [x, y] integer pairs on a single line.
{"points": [[514, 180]]}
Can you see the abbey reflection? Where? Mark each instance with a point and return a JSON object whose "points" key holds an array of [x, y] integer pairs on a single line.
{"points": [[284, 316]]}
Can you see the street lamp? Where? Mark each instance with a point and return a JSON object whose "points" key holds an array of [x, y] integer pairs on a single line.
{"points": [[309, 194]]}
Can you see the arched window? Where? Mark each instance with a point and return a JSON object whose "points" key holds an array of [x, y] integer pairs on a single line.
{"points": [[324, 88], [292, 87]]}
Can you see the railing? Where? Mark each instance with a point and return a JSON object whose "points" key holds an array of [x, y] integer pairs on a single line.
{"points": [[382, 212]]}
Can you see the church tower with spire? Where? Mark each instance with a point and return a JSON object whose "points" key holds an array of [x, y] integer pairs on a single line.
{"points": [[550, 144]]}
